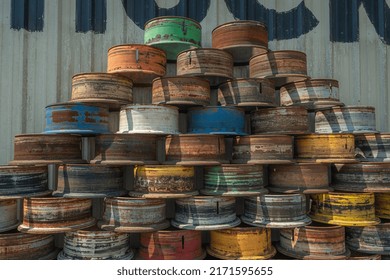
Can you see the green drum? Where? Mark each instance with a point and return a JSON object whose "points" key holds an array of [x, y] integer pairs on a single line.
{"points": [[173, 34]]}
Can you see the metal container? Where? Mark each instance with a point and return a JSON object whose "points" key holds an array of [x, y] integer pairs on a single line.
{"points": [[281, 67], [283, 120], [90, 181], [23, 181], [242, 38], [216, 120], [247, 93], [171, 244], [31, 149], [348, 119], [299, 178], [214, 65], [124, 214], [344, 209], [241, 243], [173, 34], [382, 205], [328, 148], [373, 147], [234, 180], [276, 211], [140, 63], [195, 149], [205, 213], [92, 244], [164, 181], [56, 215], [8, 215], [318, 242], [361, 177], [76, 118], [263, 149], [149, 119], [181, 91], [362, 256], [22, 246]]}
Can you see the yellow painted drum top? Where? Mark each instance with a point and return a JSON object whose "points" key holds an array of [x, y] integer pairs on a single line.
{"points": [[382, 205]]}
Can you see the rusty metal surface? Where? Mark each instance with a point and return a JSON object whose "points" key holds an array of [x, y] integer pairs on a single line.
{"points": [[373, 147], [362, 256], [56, 215], [122, 214], [140, 63], [8, 215], [382, 205], [283, 120], [263, 149]]}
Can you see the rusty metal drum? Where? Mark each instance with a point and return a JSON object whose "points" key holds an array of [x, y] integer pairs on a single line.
{"points": [[311, 94], [382, 205], [211, 64], [8, 215], [263, 149], [283, 120], [171, 244], [362, 256], [125, 214], [205, 213], [241, 38], [140, 63], [149, 119], [173, 34], [314, 242], [234, 180], [241, 243], [195, 149], [299, 178], [56, 215], [32, 149], [373, 147], [282, 67], [344, 209], [348, 119], [276, 211]]}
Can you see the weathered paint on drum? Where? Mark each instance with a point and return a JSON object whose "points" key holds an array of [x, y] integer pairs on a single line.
{"points": [[373, 147], [8, 215], [382, 205]]}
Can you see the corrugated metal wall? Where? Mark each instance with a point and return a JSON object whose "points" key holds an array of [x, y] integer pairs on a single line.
{"points": [[45, 42]]}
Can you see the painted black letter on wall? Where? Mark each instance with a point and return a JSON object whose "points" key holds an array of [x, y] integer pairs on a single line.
{"points": [[91, 15], [27, 14]]}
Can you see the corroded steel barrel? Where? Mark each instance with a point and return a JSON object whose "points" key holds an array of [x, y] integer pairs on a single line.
{"points": [[22, 246], [349, 119], [311, 93], [140, 63], [195, 149], [8, 215], [314, 242], [369, 239], [283, 120], [373, 147], [45, 149], [123, 214], [216, 120], [106, 88], [263, 149], [90, 181], [382, 205], [361, 177], [344, 209], [242, 38], [56, 215], [94, 244], [241, 243], [325, 148], [276, 211], [299, 177], [76, 118], [248, 93], [181, 91], [149, 119], [281, 67], [205, 213], [214, 65], [23, 181], [171, 244], [234, 180], [164, 181], [173, 34]]}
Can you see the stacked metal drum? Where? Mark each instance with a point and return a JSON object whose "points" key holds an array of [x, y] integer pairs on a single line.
{"points": [[184, 152]]}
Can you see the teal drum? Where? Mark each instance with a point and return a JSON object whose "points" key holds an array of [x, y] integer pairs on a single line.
{"points": [[173, 34]]}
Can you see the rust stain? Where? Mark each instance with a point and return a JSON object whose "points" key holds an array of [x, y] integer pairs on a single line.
{"points": [[64, 116]]}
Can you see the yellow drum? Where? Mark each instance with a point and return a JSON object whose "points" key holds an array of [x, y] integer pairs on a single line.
{"points": [[382, 205]]}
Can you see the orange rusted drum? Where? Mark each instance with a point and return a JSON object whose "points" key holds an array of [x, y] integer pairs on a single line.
{"points": [[140, 63], [373, 147], [8, 215]]}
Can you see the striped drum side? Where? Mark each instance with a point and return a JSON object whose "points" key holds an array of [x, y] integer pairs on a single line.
{"points": [[382, 205], [8, 215], [373, 147]]}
